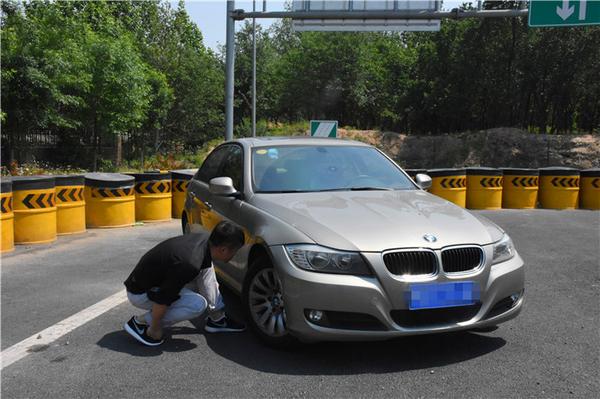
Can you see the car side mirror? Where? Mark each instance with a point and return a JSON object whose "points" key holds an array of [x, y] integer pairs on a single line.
{"points": [[223, 186], [423, 181]]}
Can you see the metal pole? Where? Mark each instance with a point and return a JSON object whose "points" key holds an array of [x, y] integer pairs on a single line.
{"points": [[253, 70], [229, 70], [239, 15]]}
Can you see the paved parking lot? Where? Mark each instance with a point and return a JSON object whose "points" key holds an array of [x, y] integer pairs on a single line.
{"points": [[550, 350]]}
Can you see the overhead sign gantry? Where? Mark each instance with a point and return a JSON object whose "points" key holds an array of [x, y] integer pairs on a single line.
{"points": [[366, 24]]}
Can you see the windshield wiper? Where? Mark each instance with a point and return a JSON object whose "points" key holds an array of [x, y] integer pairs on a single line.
{"points": [[367, 188]]}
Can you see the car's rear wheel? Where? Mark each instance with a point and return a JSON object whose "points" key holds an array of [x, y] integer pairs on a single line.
{"points": [[264, 304]]}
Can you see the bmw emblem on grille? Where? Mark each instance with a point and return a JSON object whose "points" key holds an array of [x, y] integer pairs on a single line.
{"points": [[430, 238]]}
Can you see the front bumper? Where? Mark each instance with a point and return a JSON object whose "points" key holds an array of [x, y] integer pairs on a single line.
{"points": [[383, 297]]}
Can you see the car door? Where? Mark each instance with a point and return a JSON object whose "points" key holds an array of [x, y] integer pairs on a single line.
{"points": [[201, 215], [216, 208]]}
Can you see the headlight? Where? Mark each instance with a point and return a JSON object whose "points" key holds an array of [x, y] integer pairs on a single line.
{"points": [[321, 259], [503, 250]]}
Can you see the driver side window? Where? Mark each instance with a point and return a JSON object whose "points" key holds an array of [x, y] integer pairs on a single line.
{"points": [[210, 167], [233, 166]]}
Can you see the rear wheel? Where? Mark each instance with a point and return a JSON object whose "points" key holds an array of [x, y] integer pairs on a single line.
{"points": [[264, 304]]}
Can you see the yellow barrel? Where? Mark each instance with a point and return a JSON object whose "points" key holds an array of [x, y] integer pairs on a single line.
{"points": [[520, 188], [484, 188], [152, 196], [559, 188], [70, 204], [35, 209], [450, 184], [180, 179], [7, 228], [109, 200], [589, 191]]}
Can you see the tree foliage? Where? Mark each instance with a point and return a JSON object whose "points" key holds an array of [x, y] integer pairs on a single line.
{"points": [[89, 71]]}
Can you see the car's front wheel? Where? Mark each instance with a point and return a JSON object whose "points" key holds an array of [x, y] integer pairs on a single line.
{"points": [[264, 304]]}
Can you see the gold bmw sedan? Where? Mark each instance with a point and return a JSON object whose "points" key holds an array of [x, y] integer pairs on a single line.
{"points": [[342, 245]]}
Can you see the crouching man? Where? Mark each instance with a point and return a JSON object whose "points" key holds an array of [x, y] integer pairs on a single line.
{"points": [[158, 283]]}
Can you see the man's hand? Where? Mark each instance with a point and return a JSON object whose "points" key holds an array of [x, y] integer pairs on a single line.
{"points": [[156, 334]]}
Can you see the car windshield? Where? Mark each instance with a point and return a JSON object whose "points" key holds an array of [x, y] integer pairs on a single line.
{"points": [[280, 169]]}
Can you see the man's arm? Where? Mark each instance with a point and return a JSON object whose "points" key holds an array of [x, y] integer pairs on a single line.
{"points": [[208, 287], [158, 312]]}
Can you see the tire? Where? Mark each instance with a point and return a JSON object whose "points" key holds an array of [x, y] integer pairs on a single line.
{"points": [[263, 304]]}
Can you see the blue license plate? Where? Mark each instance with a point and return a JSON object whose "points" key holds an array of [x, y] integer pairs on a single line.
{"points": [[443, 295]]}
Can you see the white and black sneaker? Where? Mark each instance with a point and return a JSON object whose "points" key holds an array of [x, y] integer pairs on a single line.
{"points": [[139, 332], [223, 325]]}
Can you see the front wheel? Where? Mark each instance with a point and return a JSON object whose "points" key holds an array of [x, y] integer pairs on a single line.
{"points": [[264, 304]]}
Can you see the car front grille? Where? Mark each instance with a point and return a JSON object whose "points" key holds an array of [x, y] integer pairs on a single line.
{"points": [[458, 260], [410, 262], [432, 317]]}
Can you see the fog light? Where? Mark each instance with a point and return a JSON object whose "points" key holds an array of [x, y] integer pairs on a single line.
{"points": [[315, 316]]}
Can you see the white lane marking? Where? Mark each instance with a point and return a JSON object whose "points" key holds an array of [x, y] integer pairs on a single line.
{"points": [[52, 333]]}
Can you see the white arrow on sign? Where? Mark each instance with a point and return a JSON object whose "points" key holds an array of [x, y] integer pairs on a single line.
{"points": [[582, 9], [566, 11]]}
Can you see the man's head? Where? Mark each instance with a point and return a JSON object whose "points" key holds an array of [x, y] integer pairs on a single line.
{"points": [[225, 240]]}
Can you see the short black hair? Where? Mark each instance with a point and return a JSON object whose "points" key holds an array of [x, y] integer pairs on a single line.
{"points": [[227, 234]]}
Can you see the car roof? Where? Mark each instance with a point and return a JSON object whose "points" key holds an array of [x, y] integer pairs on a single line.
{"points": [[296, 140]]}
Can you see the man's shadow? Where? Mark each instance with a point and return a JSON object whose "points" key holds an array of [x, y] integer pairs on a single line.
{"points": [[120, 341], [326, 358]]}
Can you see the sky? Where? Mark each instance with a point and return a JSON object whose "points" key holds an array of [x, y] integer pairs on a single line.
{"points": [[209, 15]]}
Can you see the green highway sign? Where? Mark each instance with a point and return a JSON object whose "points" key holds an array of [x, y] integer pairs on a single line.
{"points": [[544, 13], [323, 128]]}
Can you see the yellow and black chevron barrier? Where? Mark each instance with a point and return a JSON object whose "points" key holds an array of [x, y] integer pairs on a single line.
{"points": [[450, 184], [180, 179], [109, 200], [559, 188], [152, 196], [520, 188], [484, 188], [7, 232], [70, 204], [454, 182], [111, 192], [589, 194], [34, 209]]}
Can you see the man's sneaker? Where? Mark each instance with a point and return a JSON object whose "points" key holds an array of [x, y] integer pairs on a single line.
{"points": [[137, 326], [133, 329], [223, 325]]}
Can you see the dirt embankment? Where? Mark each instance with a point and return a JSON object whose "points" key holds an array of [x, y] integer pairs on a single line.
{"points": [[501, 147]]}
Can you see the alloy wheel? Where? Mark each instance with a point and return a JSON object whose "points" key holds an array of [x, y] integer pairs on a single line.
{"points": [[266, 303]]}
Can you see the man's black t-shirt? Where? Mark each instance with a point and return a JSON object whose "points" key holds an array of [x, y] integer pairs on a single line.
{"points": [[168, 267]]}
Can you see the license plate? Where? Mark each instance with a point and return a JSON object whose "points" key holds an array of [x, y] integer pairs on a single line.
{"points": [[443, 295]]}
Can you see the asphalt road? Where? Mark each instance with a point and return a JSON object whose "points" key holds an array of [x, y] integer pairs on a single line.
{"points": [[550, 350]]}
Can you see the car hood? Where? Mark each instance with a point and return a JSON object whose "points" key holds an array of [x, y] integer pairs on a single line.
{"points": [[374, 221]]}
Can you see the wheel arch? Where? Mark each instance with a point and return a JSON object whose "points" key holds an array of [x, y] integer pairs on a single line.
{"points": [[258, 250]]}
